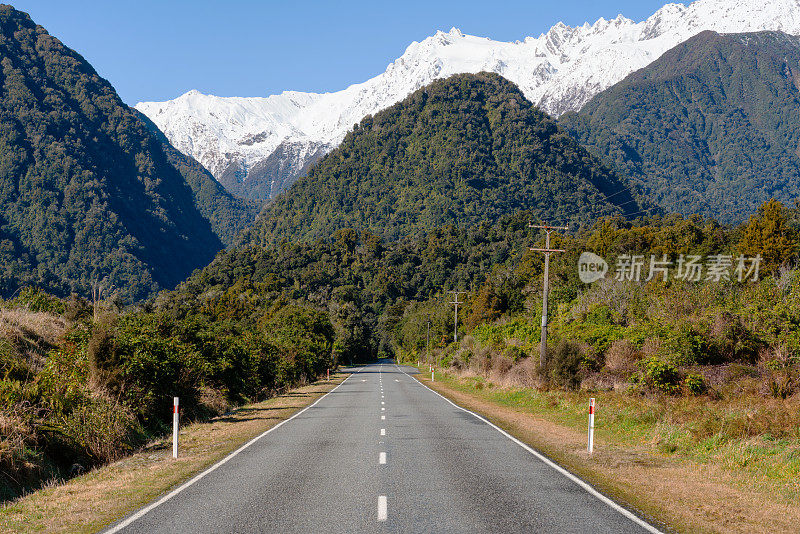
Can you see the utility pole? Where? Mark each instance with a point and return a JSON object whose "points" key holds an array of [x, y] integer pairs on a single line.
{"points": [[547, 251], [456, 303], [428, 341]]}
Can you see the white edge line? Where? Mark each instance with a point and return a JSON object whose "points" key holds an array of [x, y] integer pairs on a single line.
{"points": [[214, 467], [586, 486]]}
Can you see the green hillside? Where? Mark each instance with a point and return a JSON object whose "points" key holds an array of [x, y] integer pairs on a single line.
{"points": [[711, 127], [465, 150], [87, 192], [228, 214]]}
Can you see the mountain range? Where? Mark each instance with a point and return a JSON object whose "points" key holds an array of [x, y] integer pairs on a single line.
{"points": [[257, 146]]}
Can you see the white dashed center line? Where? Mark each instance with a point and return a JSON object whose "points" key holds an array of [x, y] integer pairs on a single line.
{"points": [[382, 508], [383, 431], [382, 458], [383, 417]]}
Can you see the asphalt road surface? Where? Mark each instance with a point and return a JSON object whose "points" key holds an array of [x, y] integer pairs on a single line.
{"points": [[383, 453]]}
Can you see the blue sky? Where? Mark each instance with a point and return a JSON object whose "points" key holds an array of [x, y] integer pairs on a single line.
{"points": [[157, 50]]}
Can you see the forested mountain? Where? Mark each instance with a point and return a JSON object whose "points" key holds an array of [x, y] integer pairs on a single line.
{"points": [[228, 215], [87, 192], [465, 150], [712, 127]]}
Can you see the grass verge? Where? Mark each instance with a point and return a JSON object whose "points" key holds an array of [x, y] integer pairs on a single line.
{"points": [[708, 486], [97, 499]]}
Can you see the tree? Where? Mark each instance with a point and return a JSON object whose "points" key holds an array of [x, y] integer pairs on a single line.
{"points": [[769, 234]]}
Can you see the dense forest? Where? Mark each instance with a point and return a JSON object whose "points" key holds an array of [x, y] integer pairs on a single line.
{"points": [[83, 384], [465, 150], [88, 194], [711, 127]]}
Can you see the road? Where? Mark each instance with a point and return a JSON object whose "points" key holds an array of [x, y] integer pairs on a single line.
{"points": [[383, 453]]}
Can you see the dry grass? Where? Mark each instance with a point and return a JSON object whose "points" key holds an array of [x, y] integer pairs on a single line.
{"points": [[621, 357], [32, 334], [25, 339], [109, 493], [17, 323], [742, 485]]}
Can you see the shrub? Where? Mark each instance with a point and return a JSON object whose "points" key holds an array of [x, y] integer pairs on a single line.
{"points": [[660, 375], [565, 364], [100, 352], [514, 353], [461, 359], [731, 341], [781, 372], [622, 356], [502, 365], [686, 346], [695, 384], [36, 300]]}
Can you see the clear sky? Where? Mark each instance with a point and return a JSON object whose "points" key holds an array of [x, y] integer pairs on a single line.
{"points": [[159, 49]]}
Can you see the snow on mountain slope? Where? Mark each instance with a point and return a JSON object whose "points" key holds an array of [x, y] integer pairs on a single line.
{"points": [[560, 70]]}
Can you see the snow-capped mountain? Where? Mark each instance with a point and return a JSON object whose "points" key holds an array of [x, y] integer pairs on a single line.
{"points": [[560, 70]]}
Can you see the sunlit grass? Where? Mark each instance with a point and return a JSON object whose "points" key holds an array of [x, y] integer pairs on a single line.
{"points": [[755, 437]]}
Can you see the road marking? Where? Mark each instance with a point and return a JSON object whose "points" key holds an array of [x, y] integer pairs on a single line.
{"points": [[382, 458], [214, 467], [383, 417], [383, 409], [588, 488], [383, 431], [382, 402], [382, 508]]}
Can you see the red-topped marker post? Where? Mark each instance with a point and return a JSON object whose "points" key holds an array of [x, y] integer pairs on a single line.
{"points": [[591, 425], [175, 421]]}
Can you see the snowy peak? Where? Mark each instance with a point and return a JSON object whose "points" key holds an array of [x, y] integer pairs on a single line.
{"points": [[560, 70]]}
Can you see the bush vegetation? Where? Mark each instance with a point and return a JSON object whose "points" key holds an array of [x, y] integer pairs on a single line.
{"points": [[76, 392], [646, 337]]}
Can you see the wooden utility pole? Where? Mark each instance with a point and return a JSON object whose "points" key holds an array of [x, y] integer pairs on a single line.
{"points": [[455, 302], [547, 251], [428, 341]]}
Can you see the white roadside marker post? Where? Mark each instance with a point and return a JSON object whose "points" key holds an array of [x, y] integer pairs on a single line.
{"points": [[591, 425], [175, 428], [433, 379], [329, 376]]}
